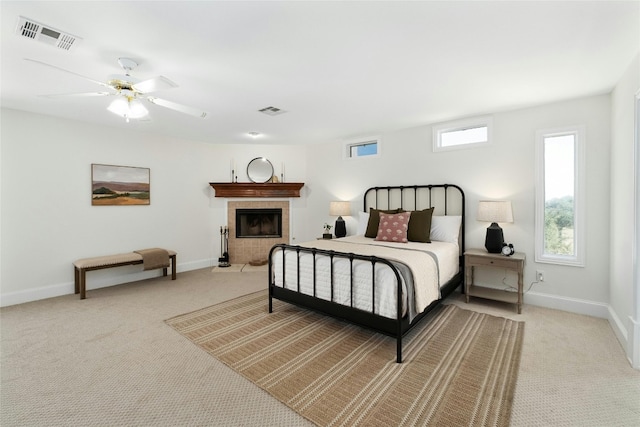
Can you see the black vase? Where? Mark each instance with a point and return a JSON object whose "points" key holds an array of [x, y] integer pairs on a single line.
{"points": [[341, 227], [494, 239]]}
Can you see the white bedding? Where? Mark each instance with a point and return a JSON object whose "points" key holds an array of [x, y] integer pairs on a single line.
{"points": [[427, 273]]}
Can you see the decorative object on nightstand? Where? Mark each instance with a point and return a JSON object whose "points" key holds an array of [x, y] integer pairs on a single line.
{"points": [[507, 249], [494, 211], [474, 258], [327, 231], [338, 209]]}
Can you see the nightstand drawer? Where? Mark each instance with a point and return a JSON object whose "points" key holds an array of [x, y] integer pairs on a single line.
{"points": [[493, 262]]}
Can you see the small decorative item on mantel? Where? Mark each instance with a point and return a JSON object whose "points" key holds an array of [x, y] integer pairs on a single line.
{"points": [[327, 231]]}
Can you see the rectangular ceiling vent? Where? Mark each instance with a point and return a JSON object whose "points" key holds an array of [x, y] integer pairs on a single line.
{"points": [[272, 111], [34, 30]]}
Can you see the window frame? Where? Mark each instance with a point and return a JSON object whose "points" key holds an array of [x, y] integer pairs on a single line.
{"points": [[460, 125], [348, 145], [579, 202]]}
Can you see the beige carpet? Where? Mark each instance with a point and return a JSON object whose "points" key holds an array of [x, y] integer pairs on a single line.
{"points": [[460, 366], [111, 360]]}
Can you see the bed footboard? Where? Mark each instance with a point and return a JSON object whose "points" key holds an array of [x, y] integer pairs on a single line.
{"points": [[369, 319]]}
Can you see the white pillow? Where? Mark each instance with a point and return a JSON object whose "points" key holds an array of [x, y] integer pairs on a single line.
{"points": [[445, 228], [363, 220]]}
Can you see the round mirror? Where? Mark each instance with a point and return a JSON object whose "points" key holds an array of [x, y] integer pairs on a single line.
{"points": [[260, 170]]}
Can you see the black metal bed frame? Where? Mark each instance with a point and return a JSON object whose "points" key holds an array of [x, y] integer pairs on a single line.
{"points": [[399, 326]]}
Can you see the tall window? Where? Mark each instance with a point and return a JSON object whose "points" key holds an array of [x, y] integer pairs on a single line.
{"points": [[559, 196], [462, 134]]}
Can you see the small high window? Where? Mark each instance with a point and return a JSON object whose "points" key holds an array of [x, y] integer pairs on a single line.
{"points": [[462, 134], [369, 147]]}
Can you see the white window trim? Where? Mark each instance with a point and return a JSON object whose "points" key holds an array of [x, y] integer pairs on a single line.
{"points": [[578, 259], [346, 147], [441, 128]]}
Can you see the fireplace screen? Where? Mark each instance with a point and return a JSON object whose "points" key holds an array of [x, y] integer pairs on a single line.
{"points": [[258, 223]]}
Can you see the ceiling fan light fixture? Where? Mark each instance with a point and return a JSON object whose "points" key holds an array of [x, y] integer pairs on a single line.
{"points": [[128, 108], [137, 110]]}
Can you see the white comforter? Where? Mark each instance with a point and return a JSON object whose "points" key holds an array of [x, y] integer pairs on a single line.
{"points": [[427, 273]]}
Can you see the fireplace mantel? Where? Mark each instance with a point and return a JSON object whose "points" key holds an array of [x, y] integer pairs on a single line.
{"points": [[251, 189]]}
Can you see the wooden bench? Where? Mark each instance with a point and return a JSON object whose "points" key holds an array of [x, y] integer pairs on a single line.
{"points": [[81, 267]]}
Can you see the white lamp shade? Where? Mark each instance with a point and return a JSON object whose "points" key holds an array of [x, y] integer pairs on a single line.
{"points": [[128, 108], [340, 209], [495, 211]]}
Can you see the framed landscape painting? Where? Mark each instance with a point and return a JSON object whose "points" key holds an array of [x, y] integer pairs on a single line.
{"points": [[119, 185]]}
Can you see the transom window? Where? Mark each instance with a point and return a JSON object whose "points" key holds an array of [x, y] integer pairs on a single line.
{"points": [[369, 147], [462, 134]]}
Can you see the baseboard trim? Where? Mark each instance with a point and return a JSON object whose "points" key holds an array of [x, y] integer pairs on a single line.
{"points": [[618, 327], [633, 349], [100, 279], [572, 305]]}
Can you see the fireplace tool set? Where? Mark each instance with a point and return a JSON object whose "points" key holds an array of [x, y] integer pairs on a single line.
{"points": [[223, 261]]}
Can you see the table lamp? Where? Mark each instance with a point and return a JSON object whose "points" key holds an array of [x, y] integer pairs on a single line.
{"points": [[494, 211], [338, 209]]}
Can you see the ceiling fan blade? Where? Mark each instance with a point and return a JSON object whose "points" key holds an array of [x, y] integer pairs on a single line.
{"points": [[178, 107], [67, 71], [76, 95], [154, 84]]}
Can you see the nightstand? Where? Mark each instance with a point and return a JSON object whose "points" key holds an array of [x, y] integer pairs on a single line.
{"points": [[474, 258]]}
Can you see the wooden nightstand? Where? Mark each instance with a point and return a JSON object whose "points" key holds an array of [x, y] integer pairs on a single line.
{"points": [[481, 258]]}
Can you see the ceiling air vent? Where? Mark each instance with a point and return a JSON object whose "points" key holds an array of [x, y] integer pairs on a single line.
{"points": [[34, 30], [271, 111]]}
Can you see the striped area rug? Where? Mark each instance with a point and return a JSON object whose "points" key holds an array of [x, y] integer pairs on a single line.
{"points": [[459, 367]]}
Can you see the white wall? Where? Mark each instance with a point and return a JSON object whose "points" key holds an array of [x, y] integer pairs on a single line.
{"points": [[47, 220], [624, 302], [503, 170]]}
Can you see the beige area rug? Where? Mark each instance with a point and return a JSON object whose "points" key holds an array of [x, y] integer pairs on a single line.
{"points": [[460, 367]]}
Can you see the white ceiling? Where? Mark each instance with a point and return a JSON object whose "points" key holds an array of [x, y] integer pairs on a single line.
{"points": [[339, 69]]}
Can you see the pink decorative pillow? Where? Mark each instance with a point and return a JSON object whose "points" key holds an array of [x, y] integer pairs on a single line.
{"points": [[393, 227]]}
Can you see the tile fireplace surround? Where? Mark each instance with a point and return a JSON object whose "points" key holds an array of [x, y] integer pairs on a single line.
{"points": [[249, 250]]}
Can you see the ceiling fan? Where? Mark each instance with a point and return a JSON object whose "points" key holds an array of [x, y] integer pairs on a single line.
{"points": [[129, 91]]}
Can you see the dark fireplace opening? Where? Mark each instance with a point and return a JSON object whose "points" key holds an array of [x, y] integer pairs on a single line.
{"points": [[258, 223]]}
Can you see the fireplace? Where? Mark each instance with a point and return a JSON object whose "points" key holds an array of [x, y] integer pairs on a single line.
{"points": [[258, 223], [255, 248]]}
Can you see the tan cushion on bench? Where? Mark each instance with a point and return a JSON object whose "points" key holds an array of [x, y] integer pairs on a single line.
{"points": [[110, 259]]}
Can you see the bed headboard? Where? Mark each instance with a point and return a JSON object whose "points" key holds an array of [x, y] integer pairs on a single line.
{"points": [[446, 199]]}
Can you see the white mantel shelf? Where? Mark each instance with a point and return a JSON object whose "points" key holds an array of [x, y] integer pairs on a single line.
{"points": [[252, 189]]}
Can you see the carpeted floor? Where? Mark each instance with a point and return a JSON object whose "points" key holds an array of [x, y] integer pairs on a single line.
{"points": [[111, 360], [459, 368], [237, 268]]}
